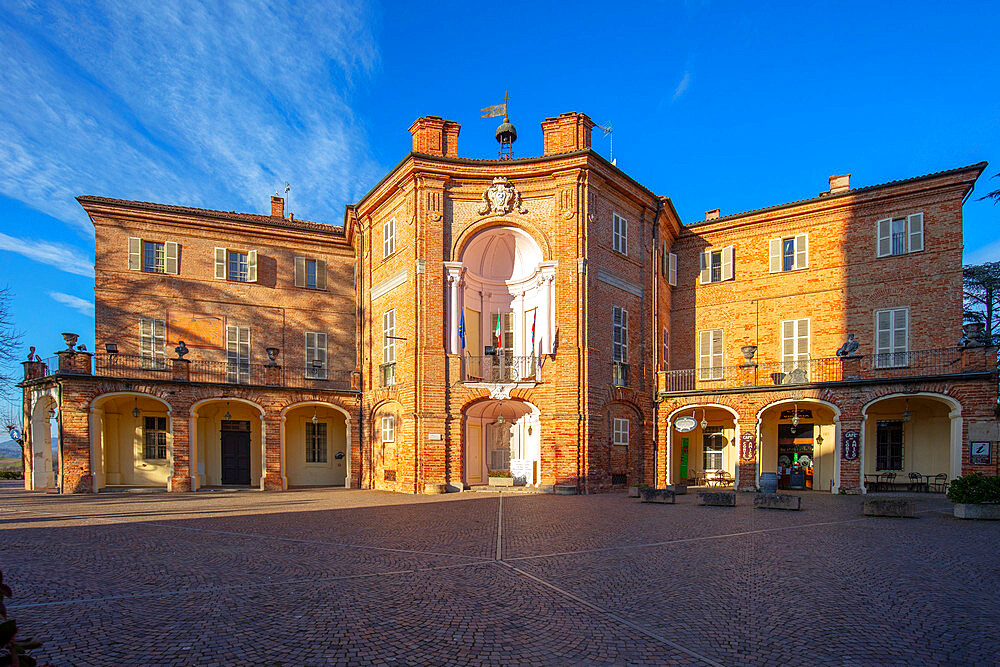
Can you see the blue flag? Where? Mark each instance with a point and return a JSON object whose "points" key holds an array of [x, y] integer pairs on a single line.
{"points": [[461, 329]]}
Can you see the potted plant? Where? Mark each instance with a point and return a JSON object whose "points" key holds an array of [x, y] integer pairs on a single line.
{"points": [[976, 496], [501, 478], [633, 491]]}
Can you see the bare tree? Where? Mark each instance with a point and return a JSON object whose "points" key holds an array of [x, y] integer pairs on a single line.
{"points": [[10, 339], [994, 195]]}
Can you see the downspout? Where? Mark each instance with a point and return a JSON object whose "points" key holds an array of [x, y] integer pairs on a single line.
{"points": [[654, 280], [62, 477]]}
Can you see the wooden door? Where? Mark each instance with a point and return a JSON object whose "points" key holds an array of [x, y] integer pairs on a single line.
{"points": [[474, 454], [236, 453]]}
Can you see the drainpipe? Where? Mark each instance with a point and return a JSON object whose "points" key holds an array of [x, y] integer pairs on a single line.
{"points": [[654, 278], [62, 477]]}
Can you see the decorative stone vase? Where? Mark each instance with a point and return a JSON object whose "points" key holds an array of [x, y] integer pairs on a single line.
{"points": [[748, 352], [984, 511], [973, 331], [70, 339]]}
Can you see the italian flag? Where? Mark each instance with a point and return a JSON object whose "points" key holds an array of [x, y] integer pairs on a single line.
{"points": [[499, 343]]}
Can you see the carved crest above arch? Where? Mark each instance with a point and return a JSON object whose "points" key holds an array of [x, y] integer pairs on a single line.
{"points": [[501, 198]]}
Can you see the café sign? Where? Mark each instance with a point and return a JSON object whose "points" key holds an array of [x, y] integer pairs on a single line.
{"points": [[685, 424]]}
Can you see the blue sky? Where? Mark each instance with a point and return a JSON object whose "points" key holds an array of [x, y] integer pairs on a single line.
{"points": [[728, 105]]}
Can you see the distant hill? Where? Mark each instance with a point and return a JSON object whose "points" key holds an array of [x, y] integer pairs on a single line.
{"points": [[10, 450]]}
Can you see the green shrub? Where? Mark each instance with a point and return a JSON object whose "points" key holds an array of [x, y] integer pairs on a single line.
{"points": [[500, 473], [11, 474], [975, 489]]}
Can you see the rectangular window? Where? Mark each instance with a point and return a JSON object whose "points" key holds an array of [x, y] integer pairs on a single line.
{"points": [[619, 346], [713, 442], [153, 257], [316, 442], [889, 445], [665, 361], [315, 355], [237, 354], [152, 342], [620, 432], [389, 428], [900, 236], [154, 438], [795, 344], [892, 338], [505, 341], [717, 265], [389, 348], [388, 237], [789, 254], [310, 273], [238, 266], [620, 234], [710, 354], [672, 269]]}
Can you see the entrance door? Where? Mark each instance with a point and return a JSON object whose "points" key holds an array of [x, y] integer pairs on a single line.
{"points": [[474, 454], [236, 452], [795, 456]]}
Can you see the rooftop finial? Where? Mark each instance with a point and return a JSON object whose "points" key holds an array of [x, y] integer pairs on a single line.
{"points": [[506, 133]]}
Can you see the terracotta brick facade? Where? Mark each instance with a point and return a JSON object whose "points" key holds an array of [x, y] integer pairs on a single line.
{"points": [[585, 246]]}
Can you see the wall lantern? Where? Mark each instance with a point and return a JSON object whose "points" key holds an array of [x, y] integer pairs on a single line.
{"points": [[704, 422], [906, 411], [227, 416], [135, 411], [315, 419], [111, 348]]}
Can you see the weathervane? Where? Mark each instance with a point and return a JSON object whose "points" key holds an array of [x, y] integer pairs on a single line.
{"points": [[506, 134]]}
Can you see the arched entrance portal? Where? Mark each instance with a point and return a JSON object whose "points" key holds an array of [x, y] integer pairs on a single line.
{"points": [[798, 441], [706, 451], [502, 437], [132, 443], [43, 463], [317, 445], [228, 436], [919, 433]]}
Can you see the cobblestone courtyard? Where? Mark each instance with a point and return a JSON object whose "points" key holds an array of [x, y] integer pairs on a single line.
{"points": [[328, 576]]}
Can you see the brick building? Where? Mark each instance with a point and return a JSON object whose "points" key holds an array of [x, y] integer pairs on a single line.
{"points": [[547, 318]]}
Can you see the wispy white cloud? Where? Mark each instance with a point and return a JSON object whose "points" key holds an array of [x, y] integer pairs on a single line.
{"points": [[64, 257], [197, 103], [82, 305], [682, 86], [987, 253]]}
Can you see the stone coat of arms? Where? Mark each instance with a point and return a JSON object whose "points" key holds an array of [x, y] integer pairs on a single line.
{"points": [[501, 198]]}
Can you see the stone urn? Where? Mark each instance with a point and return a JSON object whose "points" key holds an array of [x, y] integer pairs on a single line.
{"points": [[748, 352], [973, 332], [70, 339]]}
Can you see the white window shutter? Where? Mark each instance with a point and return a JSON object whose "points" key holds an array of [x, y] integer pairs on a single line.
{"points": [[727, 263], [705, 353], [787, 340], [134, 253], [706, 266], [900, 330], [717, 352], [672, 270], [624, 336], [774, 249], [801, 251], [170, 252], [300, 272], [916, 232], [883, 331], [252, 266], [220, 263], [883, 230], [320, 274]]}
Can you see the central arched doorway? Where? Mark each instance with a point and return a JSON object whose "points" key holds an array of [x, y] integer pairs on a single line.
{"points": [[798, 442], [228, 442], [502, 438]]}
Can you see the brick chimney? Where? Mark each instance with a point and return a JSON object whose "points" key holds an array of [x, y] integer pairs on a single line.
{"points": [[432, 135], [277, 206], [840, 183], [712, 215], [567, 132]]}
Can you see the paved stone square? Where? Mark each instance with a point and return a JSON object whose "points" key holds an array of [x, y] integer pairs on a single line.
{"points": [[326, 576]]}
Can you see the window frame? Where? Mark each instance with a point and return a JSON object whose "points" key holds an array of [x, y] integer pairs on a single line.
{"points": [[161, 438], [892, 357], [889, 457], [389, 237], [241, 264], [619, 233], [153, 355], [388, 431], [323, 372], [159, 256], [797, 358], [620, 432], [713, 434], [713, 371], [237, 365], [313, 443], [388, 366], [911, 236]]}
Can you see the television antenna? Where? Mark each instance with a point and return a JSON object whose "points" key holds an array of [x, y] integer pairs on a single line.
{"points": [[609, 133]]}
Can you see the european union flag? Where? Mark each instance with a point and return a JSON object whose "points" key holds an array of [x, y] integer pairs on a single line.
{"points": [[461, 329]]}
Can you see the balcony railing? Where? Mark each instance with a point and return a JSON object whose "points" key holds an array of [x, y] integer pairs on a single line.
{"points": [[134, 367], [501, 368], [829, 369]]}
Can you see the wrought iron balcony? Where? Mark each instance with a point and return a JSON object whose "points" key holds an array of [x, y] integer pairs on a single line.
{"points": [[137, 367], [916, 363], [501, 368]]}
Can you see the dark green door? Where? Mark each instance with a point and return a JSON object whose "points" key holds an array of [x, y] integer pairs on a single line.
{"points": [[236, 453]]}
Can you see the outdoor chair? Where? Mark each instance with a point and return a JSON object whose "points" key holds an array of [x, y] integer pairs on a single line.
{"points": [[888, 479], [938, 483], [916, 481]]}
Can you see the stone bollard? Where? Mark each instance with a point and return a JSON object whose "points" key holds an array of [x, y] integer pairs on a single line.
{"points": [[717, 498], [894, 507], [650, 495]]}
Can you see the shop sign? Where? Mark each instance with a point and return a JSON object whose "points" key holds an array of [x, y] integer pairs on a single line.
{"points": [[747, 446], [685, 424], [850, 444], [980, 454]]}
